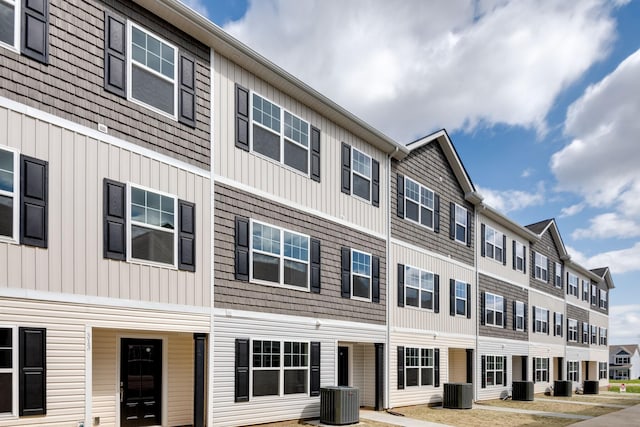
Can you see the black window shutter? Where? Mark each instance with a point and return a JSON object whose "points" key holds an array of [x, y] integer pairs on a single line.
{"points": [[561, 323], [375, 279], [114, 217], [436, 213], [526, 317], [375, 183], [504, 313], [187, 91], [533, 264], [452, 220], [513, 253], [436, 367], [436, 293], [400, 189], [315, 154], [346, 272], [483, 365], [242, 249], [533, 318], [504, 373], [524, 260], [452, 297], [242, 117], [346, 168], [468, 300], [33, 371], [400, 285], [548, 270], [469, 228], [115, 54], [567, 283], [483, 305], [315, 369], [534, 369], [400, 368], [504, 250], [242, 370], [482, 240], [315, 266], [514, 315], [568, 329], [33, 201], [555, 315], [547, 322], [187, 236], [35, 30]]}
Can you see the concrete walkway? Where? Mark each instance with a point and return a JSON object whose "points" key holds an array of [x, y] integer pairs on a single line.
{"points": [[624, 417], [385, 417], [531, 412]]}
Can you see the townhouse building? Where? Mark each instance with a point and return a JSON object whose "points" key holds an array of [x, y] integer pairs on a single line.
{"points": [[105, 199]]}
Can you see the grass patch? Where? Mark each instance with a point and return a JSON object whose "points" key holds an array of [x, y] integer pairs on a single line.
{"points": [[596, 398], [630, 388], [625, 381], [562, 406]]}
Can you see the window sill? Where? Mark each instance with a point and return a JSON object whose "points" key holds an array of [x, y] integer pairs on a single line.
{"points": [[279, 285], [173, 117], [426, 227], [151, 263], [361, 199], [419, 309], [355, 298], [12, 49], [494, 326], [5, 239], [280, 164]]}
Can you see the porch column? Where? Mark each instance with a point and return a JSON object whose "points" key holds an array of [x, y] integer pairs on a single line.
{"points": [[379, 376], [469, 365], [199, 372]]}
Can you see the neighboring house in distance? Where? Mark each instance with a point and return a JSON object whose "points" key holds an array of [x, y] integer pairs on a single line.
{"points": [[624, 362]]}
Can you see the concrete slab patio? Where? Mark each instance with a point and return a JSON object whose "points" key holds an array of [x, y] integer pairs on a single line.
{"points": [[624, 417]]}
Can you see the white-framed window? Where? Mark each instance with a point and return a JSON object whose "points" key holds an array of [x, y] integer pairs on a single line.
{"points": [[585, 333], [603, 336], [360, 275], [519, 256], [152, 226], [493, 244], [419, 363], [494, 370], [152, 71], [494, 309], [594, 294], [557, 277], [279, 256], [585, 290], [558, 324], [361, 174], [519, 314], [542, 264], [279, 367], [461, 298], [542, 369], [594, 334], [603, 299], [419, 288], [572, 370], [8, 371], [279, 134], [572, 330], [10, 24], [419, 203], [623, 358], [573, 284], [602, 369], [461, 225], [541, 325], [9, 194]]}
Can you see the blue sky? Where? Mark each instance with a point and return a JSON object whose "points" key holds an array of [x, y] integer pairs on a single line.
{"points": [[541, 99]]}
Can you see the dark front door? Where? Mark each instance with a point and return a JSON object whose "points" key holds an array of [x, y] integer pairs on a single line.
{"points": [[140, 382], [343, 366]]}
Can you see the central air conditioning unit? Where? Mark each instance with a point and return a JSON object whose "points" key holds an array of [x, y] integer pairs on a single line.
{"points": [[339, 405], [562, 388], [458, 395], [591, 387], [522, 390]]}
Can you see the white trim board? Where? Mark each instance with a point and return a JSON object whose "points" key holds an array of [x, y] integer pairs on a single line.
{"points": [[432, 254]]}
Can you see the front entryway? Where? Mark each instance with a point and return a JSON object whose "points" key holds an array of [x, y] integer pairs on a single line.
{"points": [[140, 382], [343, 366]]}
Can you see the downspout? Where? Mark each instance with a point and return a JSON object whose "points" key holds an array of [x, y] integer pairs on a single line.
{"points": [[387, 388]]}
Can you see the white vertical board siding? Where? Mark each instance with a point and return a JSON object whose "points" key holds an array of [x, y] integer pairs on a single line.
{"points": [[498, 348], [368, 393], [229, 325], [498, 269], [426, 320], [538, 299], [73, 263], [600, 320], [278, 180], [572, 298], [552, 352]]}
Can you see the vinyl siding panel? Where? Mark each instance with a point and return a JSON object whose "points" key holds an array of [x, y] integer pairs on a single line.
{"points": [[573, 299], [510, 293], [541, 300], [487, 346], [553, 352], [547, 247], [73, 263], [268, 176]]}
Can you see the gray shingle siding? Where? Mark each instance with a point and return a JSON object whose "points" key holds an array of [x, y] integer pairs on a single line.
{"points": [[547, 247], [72, 85], [511, 293], [230, 293], [581, 315]]}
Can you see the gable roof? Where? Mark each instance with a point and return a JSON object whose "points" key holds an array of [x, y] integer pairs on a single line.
{"points": [[541, 227], [442, 138], [605, 275], [630, 349]]}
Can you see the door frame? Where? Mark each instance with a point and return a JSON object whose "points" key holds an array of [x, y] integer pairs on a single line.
{"points": [[165, 370], [349, 361]]}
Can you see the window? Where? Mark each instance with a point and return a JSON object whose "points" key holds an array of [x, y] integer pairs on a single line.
{"points": [[572, 330], [602, 369], [558, 324], [9, 194], [10, 23], [494, 244], [541, 267], [279, 256], [460, 298], [594, 334], [603, 299], [603, 336], [460, 224], [419, 366], [557, 278], [519, 255], [419, 203], [541, 316], [494, 310], [152, 226], [8, 370], [419, 288], [280, 367], [585, 333], [585, 290], [280, 135], [494, 370], [541, 369], [519, 314], [361, 174], [572, 370], [623, 358], [572, 285], [152, 71], [360, 275]]}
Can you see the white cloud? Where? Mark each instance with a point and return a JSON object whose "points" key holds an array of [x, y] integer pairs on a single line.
{"points": [[608, 225], [623, 324], [619, 261], [408, 67], [572, 210], [527, 173], [507, 201]]}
